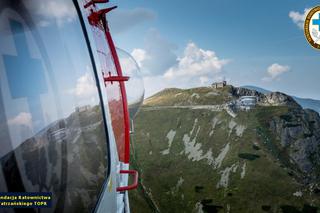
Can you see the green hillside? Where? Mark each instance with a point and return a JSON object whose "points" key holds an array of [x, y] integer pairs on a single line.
{"points": [[204, 160], [201, 95]]}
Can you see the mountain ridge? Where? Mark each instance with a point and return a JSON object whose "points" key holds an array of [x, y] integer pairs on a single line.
{"points": [[195, 158]]}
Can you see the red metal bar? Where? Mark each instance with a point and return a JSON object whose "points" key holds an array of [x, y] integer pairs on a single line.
{"points": [[92, 2], [124, 96], [95, 17], [116, 78], [134, 185], [106, 10]]}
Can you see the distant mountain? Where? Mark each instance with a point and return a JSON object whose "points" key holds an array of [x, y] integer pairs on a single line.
{"points": [[195, 155], [306, 103]]}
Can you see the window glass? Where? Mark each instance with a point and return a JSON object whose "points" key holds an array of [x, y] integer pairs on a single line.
{"points": [[52, 134]]}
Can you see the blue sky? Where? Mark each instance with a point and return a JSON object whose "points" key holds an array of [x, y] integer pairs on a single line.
{"points": [[248, 43]]}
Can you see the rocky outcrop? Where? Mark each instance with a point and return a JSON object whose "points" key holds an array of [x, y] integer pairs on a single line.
{"points": [[240, 91], [269, 99], [298, 131], [278, 99], [299, 135]]}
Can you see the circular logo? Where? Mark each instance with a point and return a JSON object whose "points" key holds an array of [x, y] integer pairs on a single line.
{"points": [[312, 27]]}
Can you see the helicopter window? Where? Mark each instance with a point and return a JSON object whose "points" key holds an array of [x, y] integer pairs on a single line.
{"points": [[53, 137]]}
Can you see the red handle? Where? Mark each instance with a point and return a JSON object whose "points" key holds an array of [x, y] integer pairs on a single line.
{"points": [[134, 185], [116, 78]]}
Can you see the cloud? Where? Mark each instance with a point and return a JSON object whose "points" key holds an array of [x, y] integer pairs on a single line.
{"points": [[196, 62], [162, 68], [298, 18], [204, 79], [22, 118], [139, 55], [157, 56], [274, 71], [85, 87], [60, 11], [121, 20], [154, 84], [160, 53], [196, 67]]}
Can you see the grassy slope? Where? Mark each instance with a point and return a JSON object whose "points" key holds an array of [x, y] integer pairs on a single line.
{"points": [[170, 97], [266, 181]]}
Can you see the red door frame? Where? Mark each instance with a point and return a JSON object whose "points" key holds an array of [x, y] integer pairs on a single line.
{"points": [[123, 93], [96, 18]]}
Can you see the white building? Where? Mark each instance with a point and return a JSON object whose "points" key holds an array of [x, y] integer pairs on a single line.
{"points": [[217, 85], [247, 102]]}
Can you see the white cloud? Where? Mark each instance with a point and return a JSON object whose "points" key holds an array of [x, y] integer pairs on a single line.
{"points": [[139, 55], [60, 11], [298, 18], [196, 67], [85, 87], [275, 70], [196, 62], [204, 79], [22, 118], [162, 68], [121, 20], [154, 84]]}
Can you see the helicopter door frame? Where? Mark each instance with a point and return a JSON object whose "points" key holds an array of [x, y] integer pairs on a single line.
{"points": [[114, 197]]}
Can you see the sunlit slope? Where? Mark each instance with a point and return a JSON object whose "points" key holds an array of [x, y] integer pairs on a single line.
{"points": [[194, 159], [202, 95]]}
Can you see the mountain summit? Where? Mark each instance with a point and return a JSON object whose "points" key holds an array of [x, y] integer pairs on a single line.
{"points": [[200, 150]]}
